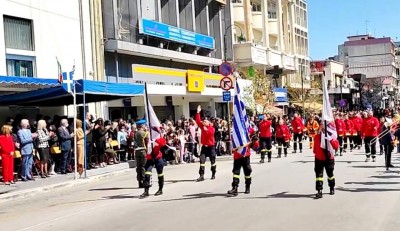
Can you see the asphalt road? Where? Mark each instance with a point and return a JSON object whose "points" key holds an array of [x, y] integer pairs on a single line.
{"points": [[282, 198]]}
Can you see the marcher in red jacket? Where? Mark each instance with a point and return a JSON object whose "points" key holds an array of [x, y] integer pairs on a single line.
{"points": [[7, 149], [240, 161], [369, 132], [298, 131], [154, 159], [341, 131], [349, 133], [324, 160], [282, 137], [265, 134], [208, 145], [357, 121]]}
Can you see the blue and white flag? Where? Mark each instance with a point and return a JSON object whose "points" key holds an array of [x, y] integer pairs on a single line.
{"points": [[241, 124], [68, 80]]}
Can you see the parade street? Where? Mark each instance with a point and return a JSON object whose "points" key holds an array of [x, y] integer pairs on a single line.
{"points": [[282, 198]]}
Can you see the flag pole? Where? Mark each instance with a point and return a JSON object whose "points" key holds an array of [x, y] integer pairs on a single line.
{"points": [[326, 150], [75, 138], [146, 104]]}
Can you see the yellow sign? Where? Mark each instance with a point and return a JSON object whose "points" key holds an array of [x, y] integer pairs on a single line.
{"points": [[195, 81]]}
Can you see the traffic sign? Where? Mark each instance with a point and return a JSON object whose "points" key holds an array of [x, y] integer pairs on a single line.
{"points": [[226, 83], [225, 69], [226, 96]]}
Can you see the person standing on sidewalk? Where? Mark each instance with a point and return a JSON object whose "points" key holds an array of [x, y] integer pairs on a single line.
{"points": [[154, 159], [65, 140], [298, 131], [370, 132], [265, 137], [7, 149], [208, 145], [324, 160], [141, 138], [43, 147], [240, 161], [26, 144]]}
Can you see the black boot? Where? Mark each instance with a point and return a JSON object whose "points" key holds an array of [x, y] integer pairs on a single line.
{"points": [[247, 191], [160, 186], [319, 194], [233, 191], [201, 178], [269, 159], [332, 191], [141, 184], [145, 194], [213, 176], [261, 161], [159, 192]]}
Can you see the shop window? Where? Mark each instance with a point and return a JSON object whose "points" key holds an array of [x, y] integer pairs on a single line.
{"points": [[20, 66]]}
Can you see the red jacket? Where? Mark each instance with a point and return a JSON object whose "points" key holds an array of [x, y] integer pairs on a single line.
{"points": [[340, 127], [282, 131], [265, 128], [357, 121], [254, 145], [6, 144], [319, 152], [370, 127], [297, 125], [350, 128], [156, 153], [207, 133]]}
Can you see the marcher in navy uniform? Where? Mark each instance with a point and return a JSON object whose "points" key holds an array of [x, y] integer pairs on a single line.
{"points": [[208, 145], [239, 162], [324, 160], [154, 159], [387, 142]]}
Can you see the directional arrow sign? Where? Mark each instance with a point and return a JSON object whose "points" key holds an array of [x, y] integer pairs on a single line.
{"points": [[226, 83]]}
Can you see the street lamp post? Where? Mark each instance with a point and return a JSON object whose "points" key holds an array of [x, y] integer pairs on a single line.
{"points": [[228, 106]]}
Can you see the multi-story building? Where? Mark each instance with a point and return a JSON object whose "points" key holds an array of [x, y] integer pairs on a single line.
{"points": [[175, 46], [376, 59], [33, 35], [340, 87], [273, 33]]}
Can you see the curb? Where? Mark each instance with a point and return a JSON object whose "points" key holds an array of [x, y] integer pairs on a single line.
{"points": [[7, 197]]}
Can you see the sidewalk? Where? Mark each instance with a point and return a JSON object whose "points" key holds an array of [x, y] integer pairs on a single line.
{"points": [[31, 188]]}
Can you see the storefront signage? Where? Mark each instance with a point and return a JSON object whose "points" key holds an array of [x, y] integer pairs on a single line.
{"points": [[164, 31], [280, 94], [195, 81]]}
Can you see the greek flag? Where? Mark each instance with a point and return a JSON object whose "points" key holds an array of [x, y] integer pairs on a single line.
{"points": [[240, 124]]}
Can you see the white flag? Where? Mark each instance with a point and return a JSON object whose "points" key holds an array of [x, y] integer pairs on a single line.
{"points": [[154, 126], [327, 117]]}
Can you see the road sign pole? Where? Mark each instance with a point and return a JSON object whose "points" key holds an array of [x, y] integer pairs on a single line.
{"points": [[229, 149]]}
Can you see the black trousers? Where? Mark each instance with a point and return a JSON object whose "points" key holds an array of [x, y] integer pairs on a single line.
{"points": [[65, 160], [357, 139], [369, 148], [282, 144], [266, 147], [388, 154], [319, 167], [244, 163], [348, 142], [140, 158], [159, 164], [340, 140], [210, 153], [297, 138]]}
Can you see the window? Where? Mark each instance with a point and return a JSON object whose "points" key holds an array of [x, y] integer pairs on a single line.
{"points": [[256, 7], [18, 33], [21, 66]]}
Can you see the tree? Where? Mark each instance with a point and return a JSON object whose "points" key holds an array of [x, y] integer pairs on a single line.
{"points": [[372, 92], [261, 92]]}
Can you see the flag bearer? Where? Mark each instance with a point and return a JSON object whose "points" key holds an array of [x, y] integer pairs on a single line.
{"points": [[324, 159], [312, 128], [208, 145], [240, 161], [141, 138], [154, 159]]}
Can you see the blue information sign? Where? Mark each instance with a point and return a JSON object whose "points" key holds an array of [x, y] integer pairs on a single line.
{"points": [[226, 96], [176, 34], [281, 95]]}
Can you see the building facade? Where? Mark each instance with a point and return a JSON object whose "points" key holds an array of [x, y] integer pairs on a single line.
{"points": [[31, 41], [376, 59], [272, 33], [175, 46]]}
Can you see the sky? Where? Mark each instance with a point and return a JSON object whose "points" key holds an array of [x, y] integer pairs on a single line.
{"points": [[330, 22]]}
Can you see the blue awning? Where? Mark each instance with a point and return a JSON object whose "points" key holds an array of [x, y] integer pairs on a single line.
{"points": [[94, 91], [27, 82]]}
